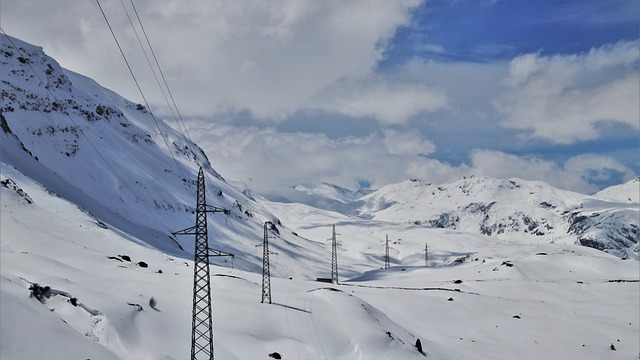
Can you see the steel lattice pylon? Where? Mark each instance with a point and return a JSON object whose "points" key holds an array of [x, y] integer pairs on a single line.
{"points": [[426, 254], [386, 255], [334, 257], [266, 273], [202, 324]]}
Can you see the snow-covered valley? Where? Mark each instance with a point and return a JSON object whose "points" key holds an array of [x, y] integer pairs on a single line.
{"points": [[90, 196], [479, 297]]}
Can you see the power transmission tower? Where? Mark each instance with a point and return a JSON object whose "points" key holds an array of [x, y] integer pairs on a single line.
{"points": [[426, 254], [266, 273], [334, 257], [386, 255], [202, 324]]}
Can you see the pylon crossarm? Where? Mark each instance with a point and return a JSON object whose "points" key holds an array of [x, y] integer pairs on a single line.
{"points": [[214, 252], [214, 209], [188, 231]]}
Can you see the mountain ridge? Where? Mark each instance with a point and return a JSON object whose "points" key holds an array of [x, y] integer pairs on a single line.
{"points": [[522, 210], [110, 156]]}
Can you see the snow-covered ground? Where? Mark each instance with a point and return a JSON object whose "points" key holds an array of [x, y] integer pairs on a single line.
{"points": [[479, 298]]}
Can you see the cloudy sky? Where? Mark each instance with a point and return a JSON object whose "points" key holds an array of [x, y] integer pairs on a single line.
{"points": [[366, 93]]}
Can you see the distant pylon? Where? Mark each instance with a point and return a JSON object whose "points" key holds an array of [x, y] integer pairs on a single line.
{"points": [[266, 273], [334, 257], [386, 256], [426, 254], [202, 324]]}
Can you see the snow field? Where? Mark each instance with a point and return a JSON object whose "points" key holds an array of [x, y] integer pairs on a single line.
{"points": [[567, 305]]}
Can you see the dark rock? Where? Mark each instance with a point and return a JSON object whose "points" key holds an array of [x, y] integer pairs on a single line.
{"points": [[419, 346], [138, 306], [275, 355], [546, 205], [143, 264], [39, 292]]}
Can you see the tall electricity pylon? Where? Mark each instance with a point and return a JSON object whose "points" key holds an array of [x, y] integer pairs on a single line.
{"points": [[334, 257], [386, 254], [266, 273], [202, 324]]}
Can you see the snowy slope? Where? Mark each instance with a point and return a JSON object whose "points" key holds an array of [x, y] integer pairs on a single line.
{"points": [[110, 157], [480, 298], [628, 192], [63, 123]]}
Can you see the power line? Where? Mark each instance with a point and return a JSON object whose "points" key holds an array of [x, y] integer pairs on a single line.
{"points": [[184, 129], [115, 173], [140, 89], [161, 72], [144, 51], [185, 132]]}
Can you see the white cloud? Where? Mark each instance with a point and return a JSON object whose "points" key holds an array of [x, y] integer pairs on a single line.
{"points": [[436, 171], [563, 98], [267, 60], [502, 165], [270, 58], [597, 167], [576, 173], [406, 143], [281, 160], [388, 102], [288, 159]]}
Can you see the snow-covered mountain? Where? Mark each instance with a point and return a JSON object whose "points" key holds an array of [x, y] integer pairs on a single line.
{"points": [[323, 196], [118, 162], [514, 209], [511, 209], [90, 192]]}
